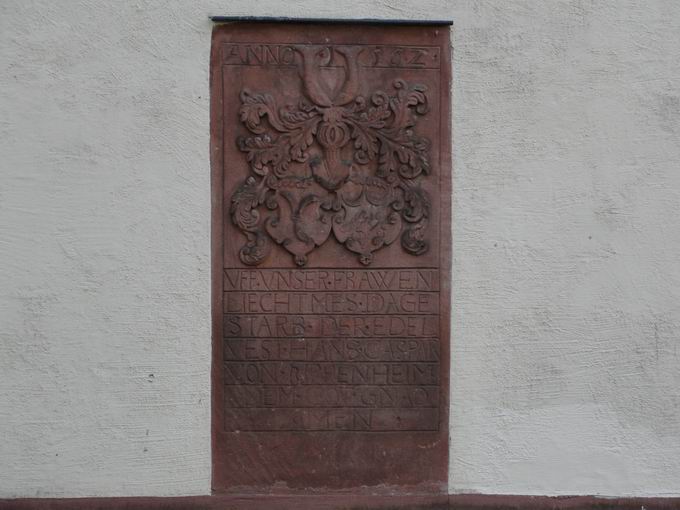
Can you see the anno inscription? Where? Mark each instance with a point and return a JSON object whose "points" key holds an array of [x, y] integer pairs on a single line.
{"points": [[258, 54]]}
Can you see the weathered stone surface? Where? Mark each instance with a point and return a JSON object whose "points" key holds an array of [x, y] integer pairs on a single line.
{"points": [[331, 257]]}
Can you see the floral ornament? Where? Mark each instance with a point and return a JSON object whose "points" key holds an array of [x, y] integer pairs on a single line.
{"points": [[336, 163]]}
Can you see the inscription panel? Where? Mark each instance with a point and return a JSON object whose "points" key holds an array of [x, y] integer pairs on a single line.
{"points": [[331, 267], [259, 54]]}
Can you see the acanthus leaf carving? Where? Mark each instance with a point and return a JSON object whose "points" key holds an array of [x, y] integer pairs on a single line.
{"points": [[245, 215], [339, 164]]}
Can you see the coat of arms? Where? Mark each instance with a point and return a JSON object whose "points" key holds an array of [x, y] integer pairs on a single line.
{"points": [[337, 162]]}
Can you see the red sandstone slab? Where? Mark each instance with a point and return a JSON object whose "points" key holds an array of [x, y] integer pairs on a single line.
{"points": [[331, 258]]}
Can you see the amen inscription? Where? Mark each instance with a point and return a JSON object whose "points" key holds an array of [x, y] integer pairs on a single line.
{"points": [[331, 231]]}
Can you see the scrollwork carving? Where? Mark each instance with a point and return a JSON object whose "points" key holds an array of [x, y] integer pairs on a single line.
{"points": [[335, 163], [245, 215]]}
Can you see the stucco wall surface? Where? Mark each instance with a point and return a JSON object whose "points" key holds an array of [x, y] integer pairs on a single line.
{"points": [[566, 300]]}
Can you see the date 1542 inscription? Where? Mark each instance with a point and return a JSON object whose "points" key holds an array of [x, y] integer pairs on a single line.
{"points": [[338, 162]]}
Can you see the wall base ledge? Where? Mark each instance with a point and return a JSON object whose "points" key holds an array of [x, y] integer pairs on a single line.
{"points": [[343, 502]]}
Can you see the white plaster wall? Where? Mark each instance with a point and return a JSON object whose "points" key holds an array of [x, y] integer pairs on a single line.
{"points": [[104, 249], [566, 318]]}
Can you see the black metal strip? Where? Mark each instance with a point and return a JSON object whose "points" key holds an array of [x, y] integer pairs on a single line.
{"points": [[330, 21]]}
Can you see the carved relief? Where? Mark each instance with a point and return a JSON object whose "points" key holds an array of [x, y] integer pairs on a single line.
{"points": [[338, 162]]}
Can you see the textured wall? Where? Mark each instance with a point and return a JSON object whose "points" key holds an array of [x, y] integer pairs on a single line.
{"points": [[104, 249], [566, 317]]}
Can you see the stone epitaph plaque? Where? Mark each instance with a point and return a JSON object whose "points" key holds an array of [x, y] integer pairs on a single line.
{"points": [[331, 254]]}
